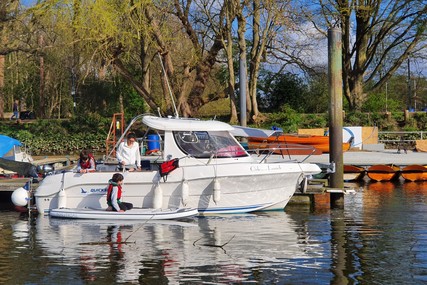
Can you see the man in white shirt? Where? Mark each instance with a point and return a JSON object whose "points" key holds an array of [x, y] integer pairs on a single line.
{"points": [[128, 153]]}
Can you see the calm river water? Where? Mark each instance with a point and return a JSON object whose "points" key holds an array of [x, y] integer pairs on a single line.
{"points": [[379, 238]]}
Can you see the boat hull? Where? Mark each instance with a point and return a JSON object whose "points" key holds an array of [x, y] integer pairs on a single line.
{"points": [[383, 172], [353, 173], [320, 143], [134, 214], [414, 173], [231, 188]]}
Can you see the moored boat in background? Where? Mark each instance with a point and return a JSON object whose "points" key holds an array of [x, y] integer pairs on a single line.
{"points": [[353, 172], [383, 172], [321, 143], [414, 172]]}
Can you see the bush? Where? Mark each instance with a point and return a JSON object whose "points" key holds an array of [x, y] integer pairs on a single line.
{"points": [[56, 137]]}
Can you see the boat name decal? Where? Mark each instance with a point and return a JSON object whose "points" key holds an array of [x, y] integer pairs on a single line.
{"points": [[94, 190]]}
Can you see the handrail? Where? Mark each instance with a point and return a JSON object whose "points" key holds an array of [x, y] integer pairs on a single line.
{"points": [[400, 136], [283, 151]]}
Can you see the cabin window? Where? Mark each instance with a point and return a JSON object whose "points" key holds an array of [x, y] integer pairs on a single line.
{"points": [[202, 144]]}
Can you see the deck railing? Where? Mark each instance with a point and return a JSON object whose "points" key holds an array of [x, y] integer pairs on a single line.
{"points": [[401, 139]]}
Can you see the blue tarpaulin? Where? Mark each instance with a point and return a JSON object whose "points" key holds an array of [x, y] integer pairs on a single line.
{"points": [[7, 143]]}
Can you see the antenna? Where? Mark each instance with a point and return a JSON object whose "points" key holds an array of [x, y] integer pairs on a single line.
{"points": [[167, 82]]}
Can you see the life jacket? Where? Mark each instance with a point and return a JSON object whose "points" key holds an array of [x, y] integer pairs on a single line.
{"points": [[86, 164], [167, 167], [110, 191]]}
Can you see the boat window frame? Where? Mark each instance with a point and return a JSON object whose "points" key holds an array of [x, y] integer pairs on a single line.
{"points": [[207, 144]]}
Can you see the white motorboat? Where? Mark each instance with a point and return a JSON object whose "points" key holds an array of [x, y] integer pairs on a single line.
{"points": [[215, 173], [134, 214]]}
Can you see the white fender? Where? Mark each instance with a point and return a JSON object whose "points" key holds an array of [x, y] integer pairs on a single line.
{"points": [[20, 197], [158, 197], [216, 191], [185, 190], [62, 199], [303, 184]]}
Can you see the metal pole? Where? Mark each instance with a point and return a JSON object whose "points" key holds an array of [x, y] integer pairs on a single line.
{"points": [[386, 97], [336, 114], [242, 85], [73, 89], [409, 84]]}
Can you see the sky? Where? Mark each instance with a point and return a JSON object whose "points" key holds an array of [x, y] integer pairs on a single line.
{"points": [[28, 2]]}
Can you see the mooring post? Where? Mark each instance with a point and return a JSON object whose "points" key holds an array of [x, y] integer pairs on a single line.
{"points": [[336, 115]]}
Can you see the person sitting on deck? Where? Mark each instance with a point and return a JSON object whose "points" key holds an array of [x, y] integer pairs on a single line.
{"points": [[86, 162], [114, 195]]}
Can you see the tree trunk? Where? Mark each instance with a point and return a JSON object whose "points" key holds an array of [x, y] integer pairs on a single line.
{"points": [[42, 104], [241, 30], [255, 58], [357, 95], [2, 59], [228, 44]]}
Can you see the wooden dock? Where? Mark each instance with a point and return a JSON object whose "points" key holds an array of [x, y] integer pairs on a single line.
{"points": [[317, 195], [58, 162]]}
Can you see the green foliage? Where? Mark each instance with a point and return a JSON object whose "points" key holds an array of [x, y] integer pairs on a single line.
{"points": [[357, 119], [217, 108], [378, 102], [60, 136], [281, 89], [133, 104], [410, 125], [420, 120], [312, 121], [288, 119], [291, 89]]}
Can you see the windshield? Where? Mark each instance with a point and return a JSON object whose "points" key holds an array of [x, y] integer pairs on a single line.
{"points": [[203, 144]]}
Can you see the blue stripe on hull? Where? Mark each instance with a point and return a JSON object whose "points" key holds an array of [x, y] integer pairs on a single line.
{"points": [[233, 210]]}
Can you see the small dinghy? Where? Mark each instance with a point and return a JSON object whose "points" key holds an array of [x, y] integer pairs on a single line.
{"points": [[414, 172], [383, 172], [134, 214], [353, 173]]}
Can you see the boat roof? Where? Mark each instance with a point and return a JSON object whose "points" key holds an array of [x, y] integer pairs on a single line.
{"points": [[240, 131], [184, 124], [7, 143]]}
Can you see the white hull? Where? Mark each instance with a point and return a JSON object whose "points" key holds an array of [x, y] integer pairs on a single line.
{"points": [[134, 214], [243, 188]]}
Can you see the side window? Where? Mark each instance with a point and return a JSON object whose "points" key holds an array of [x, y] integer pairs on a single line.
{"points": [[202, 144]]}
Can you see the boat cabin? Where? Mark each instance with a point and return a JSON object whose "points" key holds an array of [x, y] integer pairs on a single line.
{"points": [[164, 139]]}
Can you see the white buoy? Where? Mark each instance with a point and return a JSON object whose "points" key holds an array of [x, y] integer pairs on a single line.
{"points": [[62, 199], [216, 191], [20, 197], [185, 190], [157, 197]]}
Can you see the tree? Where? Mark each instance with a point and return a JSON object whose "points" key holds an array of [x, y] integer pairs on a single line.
{"points": [[8, 11], [377, 35], [267, 21]]}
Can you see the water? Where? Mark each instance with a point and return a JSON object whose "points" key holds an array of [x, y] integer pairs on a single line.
{"points": [[379, 238]]}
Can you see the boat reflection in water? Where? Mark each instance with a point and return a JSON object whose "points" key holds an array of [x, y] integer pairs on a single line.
{"points": [[384, 186], [222, 249]]}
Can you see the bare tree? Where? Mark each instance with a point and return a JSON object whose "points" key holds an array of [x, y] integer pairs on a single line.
{"points": [[377, 35]]}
